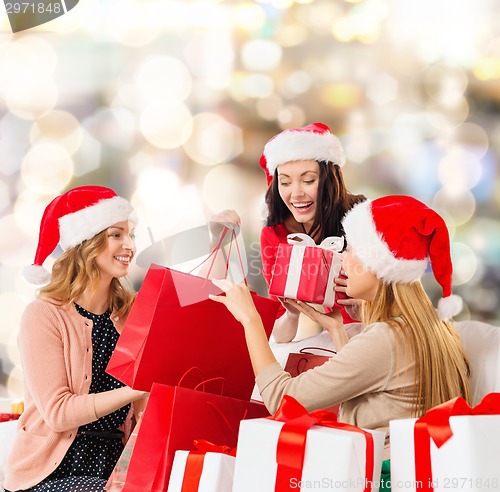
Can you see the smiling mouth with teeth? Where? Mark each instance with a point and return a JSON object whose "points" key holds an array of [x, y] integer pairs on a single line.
{"points": [[125, 259], [302, 205]]}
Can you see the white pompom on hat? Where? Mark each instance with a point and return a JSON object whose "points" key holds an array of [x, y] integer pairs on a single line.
{"points": [[71, 218], [315, 141], [396, 236]]}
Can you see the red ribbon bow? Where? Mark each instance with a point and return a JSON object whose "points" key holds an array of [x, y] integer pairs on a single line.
{"points": [[194, 463], [292, 441], [209, 447], [435, 425]]}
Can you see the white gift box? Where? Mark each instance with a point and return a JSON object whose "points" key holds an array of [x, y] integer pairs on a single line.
{"points": [[216, 475], [468, 461], [334, 459]]}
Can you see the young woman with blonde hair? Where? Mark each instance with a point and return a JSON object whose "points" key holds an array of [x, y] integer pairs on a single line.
{"points": [[408, 357], [70, 434]]}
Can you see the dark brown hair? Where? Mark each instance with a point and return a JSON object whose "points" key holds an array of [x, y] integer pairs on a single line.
{"points": [[333, 202]]}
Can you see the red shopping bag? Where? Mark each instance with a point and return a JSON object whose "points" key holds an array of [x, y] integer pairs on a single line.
{"points": [[173, 419], [302, 361], [173, 326]]}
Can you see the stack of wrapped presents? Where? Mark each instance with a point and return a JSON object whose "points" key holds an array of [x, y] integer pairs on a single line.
{"points": [[202, 431]]}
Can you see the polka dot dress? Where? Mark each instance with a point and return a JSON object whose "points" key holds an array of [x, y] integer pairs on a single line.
{"points": [[91, 458]]}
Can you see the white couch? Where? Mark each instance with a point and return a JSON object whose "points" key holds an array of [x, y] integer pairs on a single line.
{"points": [[481, 342]]}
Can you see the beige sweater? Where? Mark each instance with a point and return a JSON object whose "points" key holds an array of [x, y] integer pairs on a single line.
{"points": [[371, 376], [56, 354]]}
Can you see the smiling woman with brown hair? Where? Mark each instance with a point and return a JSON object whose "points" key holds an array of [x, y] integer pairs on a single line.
{"points": [[306, 194]]}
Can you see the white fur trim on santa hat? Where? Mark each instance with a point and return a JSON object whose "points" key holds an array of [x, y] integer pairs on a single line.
{"points": [[368, 245], [303, 145], [86, 223], [449, 306], [36, 275]]}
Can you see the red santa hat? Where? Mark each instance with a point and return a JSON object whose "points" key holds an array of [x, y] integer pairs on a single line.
{"points": [[396, 236], [315, 141], [71, 218]]}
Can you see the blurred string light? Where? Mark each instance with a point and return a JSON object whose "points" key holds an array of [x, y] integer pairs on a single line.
{"points": [[115, 127], [361, 23], [213, 140], [460, 204], [459, 170], [298, 82], [4, 196], [261, 54], [60, 127], [445, 84], [251, 85], [472, 137], [15, 247], [289, 35], [165, 123], [487, 68], [483, 236], [291, 116], [28, 64], [248, 16], [382, 88], [157, 198], [210, 55], [12, 305], [465, 263], [421, 26], [342, 95], [227, 186], [130, 23], [179, 14], [14, 139], [15, 378], [47, 168], [268, 108], [162, 77], [27, 212], [88, 156]]}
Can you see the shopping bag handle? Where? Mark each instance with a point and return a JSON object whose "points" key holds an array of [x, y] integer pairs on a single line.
{"points": [[219, 412], [211, 380], [202, 381], [187, 373], [215, 251], [303, 349]]}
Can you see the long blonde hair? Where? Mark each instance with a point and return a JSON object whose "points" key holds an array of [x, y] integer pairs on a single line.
{"points": [[441, 367], [76, 268]]}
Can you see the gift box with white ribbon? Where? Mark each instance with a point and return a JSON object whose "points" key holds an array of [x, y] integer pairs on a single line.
{"points": [[306, 271]]}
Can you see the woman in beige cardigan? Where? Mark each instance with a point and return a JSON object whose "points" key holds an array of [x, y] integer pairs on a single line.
{"points": [[70, 434], [407, 358]]}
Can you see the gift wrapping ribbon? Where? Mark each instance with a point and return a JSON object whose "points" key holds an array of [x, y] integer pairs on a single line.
{"points": [[291, 446], [435, 425], [330, 243], [194, 463]]}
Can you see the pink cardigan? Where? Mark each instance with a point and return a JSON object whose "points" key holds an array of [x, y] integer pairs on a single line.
{"points": [[56, 355]]}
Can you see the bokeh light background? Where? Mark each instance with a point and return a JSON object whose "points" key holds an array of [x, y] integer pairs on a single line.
{"points": [[171, 102]]}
